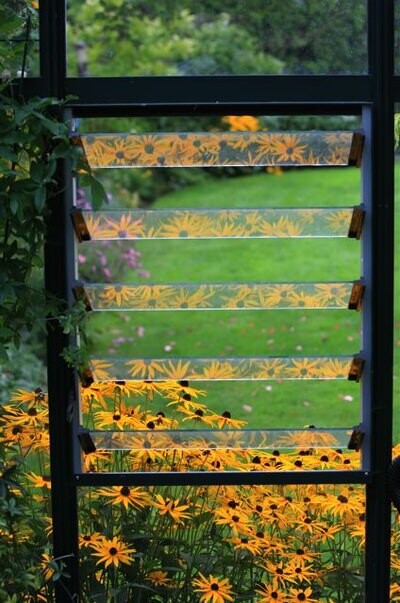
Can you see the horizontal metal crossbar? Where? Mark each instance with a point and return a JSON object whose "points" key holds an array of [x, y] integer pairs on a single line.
{"points": [[220, 439], [212, 149], [264, 223], [269, 94], [220, 296], [263, 368], [217, 478]]}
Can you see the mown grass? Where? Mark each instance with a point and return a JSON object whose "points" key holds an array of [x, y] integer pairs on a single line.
{"points": [[271, 332]]}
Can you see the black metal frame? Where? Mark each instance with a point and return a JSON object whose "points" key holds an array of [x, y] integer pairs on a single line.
{"points": [[372, 96]]}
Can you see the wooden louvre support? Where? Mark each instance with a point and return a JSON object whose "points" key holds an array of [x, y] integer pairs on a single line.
{"points": [[80, 294], [356, 223], [356, 439], [356, 296], [80, 226], [356, 369], [356, 149]]}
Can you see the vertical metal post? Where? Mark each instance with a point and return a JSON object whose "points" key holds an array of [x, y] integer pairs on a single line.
{"points": [[59, 259], [378, 250]]}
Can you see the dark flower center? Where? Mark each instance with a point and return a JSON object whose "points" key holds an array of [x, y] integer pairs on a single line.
{"points": [[113, 551], [125, 491], [342, 499], [214, 586]]}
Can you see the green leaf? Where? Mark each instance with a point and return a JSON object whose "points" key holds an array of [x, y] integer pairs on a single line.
{"points": [[7, 153], [40, 198], [37, 261], [99, 195], [14, 205], [3, 355]]}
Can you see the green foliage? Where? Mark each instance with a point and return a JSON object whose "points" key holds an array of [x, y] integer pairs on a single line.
{"points": [[33, 139], [18, 35], [129, 38]]}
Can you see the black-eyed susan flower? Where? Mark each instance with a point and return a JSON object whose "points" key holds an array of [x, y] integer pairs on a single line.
{"points": [[47, 566], [171, 508], [225, 420], [297, 595], [112, 552], [344, 505], [298, 571], [127, 496], [236, 519], [277, 571], [246, 545], [270, 593], [212, 589], [159, 578], [89, 539], [39, 481]]}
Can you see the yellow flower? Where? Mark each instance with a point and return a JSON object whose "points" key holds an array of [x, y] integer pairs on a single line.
{"points": [[270, 593], [47, 566], [112, 552], [186, 225], [171, 508], [244, 544], [90, 539], [212, 589], [242, 123], [225, 420], [277, 571], [234, 518], [124, 228], [39, 481], [286, 147], [136, 497], [297, 595], [159, 578], [344, 505]]}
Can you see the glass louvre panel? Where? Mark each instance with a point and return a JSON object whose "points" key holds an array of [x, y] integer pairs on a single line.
{"points": [[221, 296], [129, 452], [216, 38], [217, 223], [212, 439], [253, 543], [212, 149], [222, 369]]}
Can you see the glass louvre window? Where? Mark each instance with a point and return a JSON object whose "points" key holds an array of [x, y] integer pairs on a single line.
{"points": [[216, 38], [127, 422]]}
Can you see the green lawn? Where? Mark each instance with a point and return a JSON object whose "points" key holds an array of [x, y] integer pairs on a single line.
{"points": [[257, 332]]}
